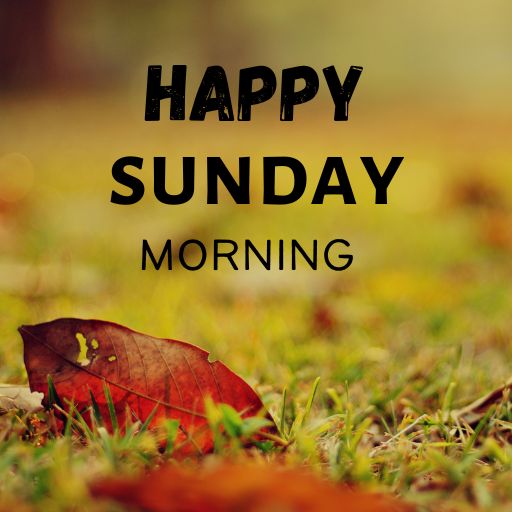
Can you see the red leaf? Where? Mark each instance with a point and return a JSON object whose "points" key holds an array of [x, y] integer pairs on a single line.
{"points": [[235, 487], [141, 372]]}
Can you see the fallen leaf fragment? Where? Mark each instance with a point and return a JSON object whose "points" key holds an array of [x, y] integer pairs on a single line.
{"points": [[236, 487], [475, 411], [19, 397], [146, 376]]}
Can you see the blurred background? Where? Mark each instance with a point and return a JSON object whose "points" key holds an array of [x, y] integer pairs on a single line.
{"points": [[431, 274]]}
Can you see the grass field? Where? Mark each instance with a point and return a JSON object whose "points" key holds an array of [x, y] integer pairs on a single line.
{"points": [[418, 327]]}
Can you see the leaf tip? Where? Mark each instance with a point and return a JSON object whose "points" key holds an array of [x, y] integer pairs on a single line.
{"points": [[24, 329]]}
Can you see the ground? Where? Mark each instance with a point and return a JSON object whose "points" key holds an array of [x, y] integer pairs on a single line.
{"points": [[418, 327]]}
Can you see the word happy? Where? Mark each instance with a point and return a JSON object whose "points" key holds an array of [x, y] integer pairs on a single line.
{"points": [[213, 93]]}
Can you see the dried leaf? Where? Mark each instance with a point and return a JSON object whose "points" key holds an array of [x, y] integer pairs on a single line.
{"points": [[19, 397], [144, 375], [475, 411], [235, 487]]}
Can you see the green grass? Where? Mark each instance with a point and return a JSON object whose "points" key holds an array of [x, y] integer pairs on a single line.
{"points": [[361, 371]]}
